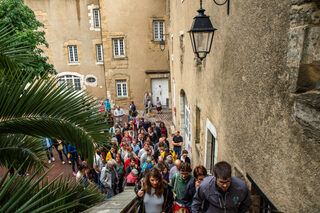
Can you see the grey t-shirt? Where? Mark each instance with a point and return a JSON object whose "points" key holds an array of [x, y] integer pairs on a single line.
{"points": [[152, 203]]}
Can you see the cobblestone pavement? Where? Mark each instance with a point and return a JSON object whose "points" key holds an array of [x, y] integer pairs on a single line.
{"points": [[66, 170]]}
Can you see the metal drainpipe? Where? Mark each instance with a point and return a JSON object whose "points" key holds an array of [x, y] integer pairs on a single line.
{"points": [[104, 66]]}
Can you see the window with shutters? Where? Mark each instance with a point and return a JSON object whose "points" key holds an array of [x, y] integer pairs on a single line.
{"points": [[96, 18], [73, 54], [158, 30], [99, 53], [121, 87], [118, 47]]}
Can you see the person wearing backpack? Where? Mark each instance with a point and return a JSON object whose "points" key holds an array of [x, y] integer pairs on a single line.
{"points": [[179, 183]]}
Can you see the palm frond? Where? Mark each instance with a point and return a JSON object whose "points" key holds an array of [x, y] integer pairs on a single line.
{"points": [[45, 109], [13, 52], [19, 149], [33, 194]]}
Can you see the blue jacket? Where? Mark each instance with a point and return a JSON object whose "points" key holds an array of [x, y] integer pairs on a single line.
{"points": [[236, 199], [71, 149], [44, 142]]}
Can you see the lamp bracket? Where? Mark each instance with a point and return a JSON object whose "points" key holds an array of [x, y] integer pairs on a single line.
{"points": [[226, 1]]}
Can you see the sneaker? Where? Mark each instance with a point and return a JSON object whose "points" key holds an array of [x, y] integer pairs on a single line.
{"points": [[63, 162], [53, 159], [74, 173]]}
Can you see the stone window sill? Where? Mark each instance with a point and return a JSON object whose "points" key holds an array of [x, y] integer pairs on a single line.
{"points": [[74, 64]]}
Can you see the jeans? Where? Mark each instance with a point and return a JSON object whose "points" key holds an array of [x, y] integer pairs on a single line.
{"points": [[60, 153], [109, 193], [177, 150], [49, 152], [65, 152]]}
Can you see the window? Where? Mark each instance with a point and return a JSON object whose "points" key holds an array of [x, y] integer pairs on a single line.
{"points": [[187, 122], [118, 47], [158, 30], [91, 80], [121, 87], [73, 54], [96, 18], [99, 53], [72, 81]]}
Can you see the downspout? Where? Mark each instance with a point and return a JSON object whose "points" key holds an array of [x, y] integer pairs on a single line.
{"points": [[104, 65]]}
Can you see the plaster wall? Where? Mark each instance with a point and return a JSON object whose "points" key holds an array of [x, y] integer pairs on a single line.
{"points": [[68, 22], [248, 88]]}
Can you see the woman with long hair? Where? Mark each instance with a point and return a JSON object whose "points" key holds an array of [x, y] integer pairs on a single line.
{"points": [[156, 196]]}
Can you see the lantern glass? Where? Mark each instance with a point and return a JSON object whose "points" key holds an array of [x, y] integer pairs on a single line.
{"points": [[162, 44], [201, 42]]}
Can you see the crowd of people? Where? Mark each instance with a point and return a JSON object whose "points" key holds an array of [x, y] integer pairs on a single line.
{"points": [[141, 155]]}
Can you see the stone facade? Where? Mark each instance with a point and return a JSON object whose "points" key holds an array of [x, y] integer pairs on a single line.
{"points": [[71, 23], [254, 100], [133, 22]]}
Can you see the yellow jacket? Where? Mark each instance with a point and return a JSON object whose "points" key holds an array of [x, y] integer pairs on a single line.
{"points": [[109, 156], [174, 156]]}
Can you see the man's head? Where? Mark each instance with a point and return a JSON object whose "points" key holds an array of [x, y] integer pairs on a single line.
{"points": [[160, 159], [169, 159], [149, 151], [185, 170], [184, 153], [132, 161], [222, 173], [177, 163], [145, 146], [111, 163]]}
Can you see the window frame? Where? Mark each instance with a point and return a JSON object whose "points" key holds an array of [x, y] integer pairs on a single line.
{"points": [[96, 17], [123, 92], [76, 86], [97, 53], [73, 54], [156, 25], [116, 44]]}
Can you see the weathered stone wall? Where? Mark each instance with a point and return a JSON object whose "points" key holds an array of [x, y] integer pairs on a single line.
{"points": [[70, 23], [256, 89]]}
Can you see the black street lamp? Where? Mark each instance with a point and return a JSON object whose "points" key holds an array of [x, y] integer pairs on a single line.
{"points": [[201, 34], [162, 44]]}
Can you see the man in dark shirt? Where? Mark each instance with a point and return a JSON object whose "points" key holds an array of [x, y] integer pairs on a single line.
{"points": [[177, 143]]}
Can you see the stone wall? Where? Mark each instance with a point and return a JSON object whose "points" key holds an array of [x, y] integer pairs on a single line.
{"points": [[256, 94], [70, 23]]}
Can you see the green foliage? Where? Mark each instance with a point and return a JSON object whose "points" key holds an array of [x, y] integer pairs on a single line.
{"points": [[31, 194], [25, 26], [15, 149], [41, 108]]}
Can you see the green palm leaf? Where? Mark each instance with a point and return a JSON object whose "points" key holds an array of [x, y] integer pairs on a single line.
{"points": [[13, 52], [33, 194], [20, 148], [45, 109]]}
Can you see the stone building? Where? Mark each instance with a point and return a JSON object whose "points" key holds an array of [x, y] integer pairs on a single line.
{"points": [[254, 101], [74, 37], [110, 49], [131, 40]]}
